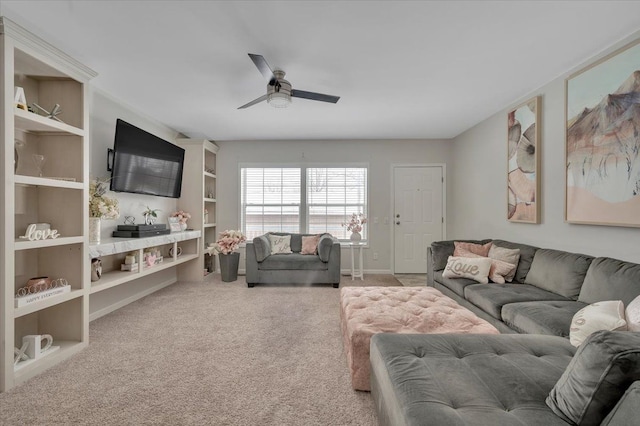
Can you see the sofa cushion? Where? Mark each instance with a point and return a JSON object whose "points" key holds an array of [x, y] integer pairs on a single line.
{"points": [[441, 250], [611, 279], [466, 267], [461, 247], [324, 247], [511, 256], [491, 298], [262, 247], [466, 379], [526, 257], [280, 244], [559, 272], [626, 410], [632, 314], [456, 285], [549, 317], [605, 315], [602, 369], [295, 261], [310, 244]]}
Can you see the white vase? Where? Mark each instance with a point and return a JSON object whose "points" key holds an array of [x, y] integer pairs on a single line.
{"points": [[94, 230], [355, 236], [183, 226]]}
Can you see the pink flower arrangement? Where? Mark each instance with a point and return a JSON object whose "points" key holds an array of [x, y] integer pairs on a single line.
{"points": [[356, 223], [182, 216], [229, 241]]}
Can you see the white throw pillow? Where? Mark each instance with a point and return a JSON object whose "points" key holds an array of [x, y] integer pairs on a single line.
{"points": [[467, 267], [632, 315], [607, 315], [280, 244]]}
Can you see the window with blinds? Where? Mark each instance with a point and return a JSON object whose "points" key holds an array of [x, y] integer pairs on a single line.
{"points": [[301, 199], [270, 200], [333, 194]]}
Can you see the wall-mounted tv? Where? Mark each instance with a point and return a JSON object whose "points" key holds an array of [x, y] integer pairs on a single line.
{"points": [[145, 164]]}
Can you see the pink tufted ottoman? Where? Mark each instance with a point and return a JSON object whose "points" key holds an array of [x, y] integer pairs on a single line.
{"points": [[365, 311]]}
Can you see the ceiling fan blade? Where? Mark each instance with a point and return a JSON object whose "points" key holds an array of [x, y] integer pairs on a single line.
{"points": [[314, 96], [253, 102], [263, 67]]}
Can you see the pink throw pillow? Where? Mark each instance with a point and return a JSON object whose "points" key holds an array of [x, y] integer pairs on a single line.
{"points": [[481, 250], [499, 269], [310, 244]]}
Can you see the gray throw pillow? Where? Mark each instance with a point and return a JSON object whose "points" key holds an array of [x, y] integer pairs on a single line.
{"points": [[601, 370], [262, 247], [324, 247]]}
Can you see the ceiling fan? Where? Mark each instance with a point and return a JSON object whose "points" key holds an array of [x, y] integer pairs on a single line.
{"points": [[279, 90]]}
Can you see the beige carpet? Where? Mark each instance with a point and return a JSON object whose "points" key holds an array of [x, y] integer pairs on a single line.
{"points": [[206, 354], [412, 280]]}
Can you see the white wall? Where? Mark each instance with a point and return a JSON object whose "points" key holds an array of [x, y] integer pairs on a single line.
{"points": [[380, 155], [478, 197], [103, 112]]}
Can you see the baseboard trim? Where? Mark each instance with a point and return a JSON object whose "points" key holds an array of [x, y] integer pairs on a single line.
{"points": [[368, 271], [124, 302]]}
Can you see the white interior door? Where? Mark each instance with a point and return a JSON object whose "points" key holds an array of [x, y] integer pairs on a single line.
{"points": [[417, 217]]}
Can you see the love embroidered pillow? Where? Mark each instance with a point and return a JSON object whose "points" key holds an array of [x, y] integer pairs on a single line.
{"points": [[280, 244], [476, 269], [499, 269]]}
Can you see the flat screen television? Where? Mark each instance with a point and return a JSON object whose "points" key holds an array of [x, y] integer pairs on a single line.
{"points": [[145, 164]]}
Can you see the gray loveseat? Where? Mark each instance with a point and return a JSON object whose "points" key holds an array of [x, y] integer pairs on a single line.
{"points": [[264, 268], [531, 375]]}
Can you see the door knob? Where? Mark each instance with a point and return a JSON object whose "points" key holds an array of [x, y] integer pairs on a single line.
{"points": [[398, 223], [398, 215]]}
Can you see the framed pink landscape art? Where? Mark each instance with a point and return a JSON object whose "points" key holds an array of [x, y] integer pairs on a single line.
{"points": [[523, 180], [603, 141]]}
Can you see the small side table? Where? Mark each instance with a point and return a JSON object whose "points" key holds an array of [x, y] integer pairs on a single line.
{"points": [[356, 272]]}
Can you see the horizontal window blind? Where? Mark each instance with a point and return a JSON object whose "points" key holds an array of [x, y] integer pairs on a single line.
{"points": [[274, 199]]}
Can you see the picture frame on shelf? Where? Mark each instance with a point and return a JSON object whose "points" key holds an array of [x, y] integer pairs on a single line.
{"points": [[174, 224], [523, 162], [602, 177]]}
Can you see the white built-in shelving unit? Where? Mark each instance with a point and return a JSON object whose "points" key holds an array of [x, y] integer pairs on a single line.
{"points": [[48, 77], [199, 193]]}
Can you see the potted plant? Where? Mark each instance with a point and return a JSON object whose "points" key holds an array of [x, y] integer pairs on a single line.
{"points": [[100, 207], [226, 246], [182, 217], [355, 225], [150, 216]]}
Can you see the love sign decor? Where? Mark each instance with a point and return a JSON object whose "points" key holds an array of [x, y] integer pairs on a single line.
{"points": [[40, 231]]}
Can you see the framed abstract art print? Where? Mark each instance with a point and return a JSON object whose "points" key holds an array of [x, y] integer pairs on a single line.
{"points": [[602, 141], [523, 179]]}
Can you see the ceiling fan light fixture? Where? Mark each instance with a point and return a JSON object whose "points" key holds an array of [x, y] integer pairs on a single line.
{"points": [[279, 99]]}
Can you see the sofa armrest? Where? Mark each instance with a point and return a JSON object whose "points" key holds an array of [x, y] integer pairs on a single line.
{"points": [[429, 267], [335, 257], [325, 247], [262, 247], [251, 264]]}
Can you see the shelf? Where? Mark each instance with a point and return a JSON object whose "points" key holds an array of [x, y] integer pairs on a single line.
{"points": [[43, 181], [116, 278], [67, 349], [51, 301], [209, 200], [109, 246], [60, 241], [211, 175], [31, 122], [210, 225]]}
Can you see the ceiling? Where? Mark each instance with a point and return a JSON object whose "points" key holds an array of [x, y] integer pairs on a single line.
{"points": [[404, 70]]}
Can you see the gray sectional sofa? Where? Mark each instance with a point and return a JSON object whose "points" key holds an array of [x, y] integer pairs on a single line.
{"points": [[531, 375], [264, 268], [549, 287]]}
